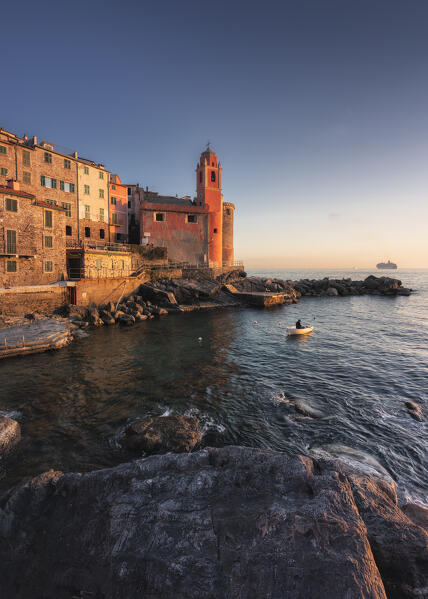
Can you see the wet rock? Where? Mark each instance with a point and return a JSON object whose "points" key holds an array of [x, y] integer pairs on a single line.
{"points": [[306, 409], [10, 434], [126, 319], [162, 434], [417, 514], [152, 293], [139, 316], [415, 411], [218, 523]]}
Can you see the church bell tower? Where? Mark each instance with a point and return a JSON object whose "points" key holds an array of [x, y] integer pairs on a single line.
{"points": [[208, 188]]}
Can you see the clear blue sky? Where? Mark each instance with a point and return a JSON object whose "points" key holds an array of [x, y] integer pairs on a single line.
{"points": [[317, 109]]}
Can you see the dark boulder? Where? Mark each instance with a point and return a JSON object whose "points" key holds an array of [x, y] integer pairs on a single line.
{"points": [[217, 524], [162, 434], [10, 434]]}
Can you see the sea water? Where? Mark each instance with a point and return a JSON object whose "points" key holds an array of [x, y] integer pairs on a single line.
{"points": [[367, 356]]}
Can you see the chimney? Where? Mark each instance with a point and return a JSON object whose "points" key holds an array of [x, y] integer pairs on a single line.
{"points": [[74, 154], [25, 138], [12, 184]]}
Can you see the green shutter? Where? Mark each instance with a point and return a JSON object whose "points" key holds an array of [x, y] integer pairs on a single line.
{"points": [[43, 181], [61, 185]]}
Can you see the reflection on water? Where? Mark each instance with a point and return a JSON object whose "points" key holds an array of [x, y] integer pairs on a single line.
{"points": [[366, 356]]}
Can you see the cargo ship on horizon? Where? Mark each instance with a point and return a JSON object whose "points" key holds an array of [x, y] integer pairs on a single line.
{"points": [[387, 265]]}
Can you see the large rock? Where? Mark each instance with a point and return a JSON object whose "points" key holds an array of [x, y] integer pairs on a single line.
{"points": [[149, 291], [158, 435], [10, 434], [217, 524]]}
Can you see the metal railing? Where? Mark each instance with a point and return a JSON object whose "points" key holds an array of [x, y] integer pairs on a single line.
{"points": [[95, 245]]}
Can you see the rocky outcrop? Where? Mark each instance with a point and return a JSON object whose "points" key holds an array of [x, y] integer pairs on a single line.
{"points": [[415, 411], [217, 524], [339, 287], [10, 434], [162, 434]]}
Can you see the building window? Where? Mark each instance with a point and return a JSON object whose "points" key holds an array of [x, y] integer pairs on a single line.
{"points": [[113, 187], [26, 177], [212, 164], [67, 208], [48, 182], [68, 187], [101, 175], [114, 218], [11, 242], [87, 190], [48, 219], [11, 266], [129, 204], [67, 164], [101, 193], [26, 158], [11, 205], [98, 265], [87, 212], [3, 172], [102, 234], [48, 241], [102, 214], [122, 264], [3, 150], [52, 202], [129, 191], [160, 217], [192, 218], [228, 211], [113, 200], [86, 170], [48, 266], [48, 158], [213, 176], [68, 230], [87, 231], [215, 231]]}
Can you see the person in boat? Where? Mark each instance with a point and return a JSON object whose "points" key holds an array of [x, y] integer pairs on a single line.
{"points": [[299, 325]]}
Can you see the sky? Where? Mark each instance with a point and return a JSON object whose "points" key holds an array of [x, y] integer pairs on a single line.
{"points": [[317, 109]]}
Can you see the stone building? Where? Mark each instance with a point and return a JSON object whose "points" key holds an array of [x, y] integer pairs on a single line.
{"points": [[118, 210], [43, 172], [32, 238]]}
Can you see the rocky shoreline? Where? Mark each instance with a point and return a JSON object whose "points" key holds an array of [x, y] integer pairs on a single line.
{"points": [[217, 524], [230, 290]]}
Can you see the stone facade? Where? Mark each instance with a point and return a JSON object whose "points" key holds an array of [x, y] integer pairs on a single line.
{"points": [[228, 251], [98, 263], [41, 171], [32, 239]]}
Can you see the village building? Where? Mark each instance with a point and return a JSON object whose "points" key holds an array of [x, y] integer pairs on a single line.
{"points": [[32, 238], [93, 188], [43, 172], [118, 210]]}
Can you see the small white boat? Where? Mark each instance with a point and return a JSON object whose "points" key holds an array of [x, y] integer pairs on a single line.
{"points": [[294, 331]]}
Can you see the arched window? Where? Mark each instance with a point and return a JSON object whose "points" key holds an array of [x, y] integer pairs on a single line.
{"points": [[213, 176], [200, 176]]}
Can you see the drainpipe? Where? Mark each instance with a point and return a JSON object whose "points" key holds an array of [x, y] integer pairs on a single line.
{"points": [[77, 202]]}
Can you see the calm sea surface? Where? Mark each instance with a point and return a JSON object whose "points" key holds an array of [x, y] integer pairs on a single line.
{"points": [[366, 357]]}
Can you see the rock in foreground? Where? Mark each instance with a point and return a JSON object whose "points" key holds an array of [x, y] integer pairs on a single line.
{"points": [[160, 435], [217, 524], [10, 434]]}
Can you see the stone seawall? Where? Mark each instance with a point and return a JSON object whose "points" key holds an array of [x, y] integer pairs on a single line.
{"points": [[43, 299]]}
